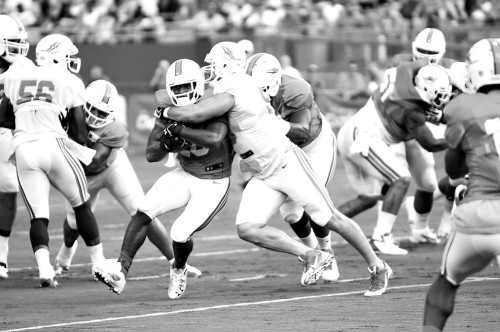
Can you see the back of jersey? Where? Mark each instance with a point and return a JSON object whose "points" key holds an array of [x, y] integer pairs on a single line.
{"points": [[41, 97]]}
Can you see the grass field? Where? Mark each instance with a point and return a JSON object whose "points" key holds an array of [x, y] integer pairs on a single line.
{"points": [[243, 287]]}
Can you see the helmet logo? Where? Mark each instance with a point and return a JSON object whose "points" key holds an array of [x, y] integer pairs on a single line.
{"points": [[429, 36], [229, 52], [53, 46]]}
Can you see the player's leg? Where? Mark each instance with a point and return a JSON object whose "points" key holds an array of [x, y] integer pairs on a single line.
{"points": [[31, 163], [9, 188], [68, 177], [208, 197], [168, 193], [306, 191], [421, 165]]}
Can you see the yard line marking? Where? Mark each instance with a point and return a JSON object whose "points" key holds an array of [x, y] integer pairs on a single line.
{"points": [[222, 306], [149, 259], [260, 276]]}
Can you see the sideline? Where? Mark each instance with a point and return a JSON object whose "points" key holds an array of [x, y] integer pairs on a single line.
{"points": [[223, 306]]}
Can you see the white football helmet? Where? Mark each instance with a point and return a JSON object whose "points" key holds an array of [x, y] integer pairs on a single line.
{"points": [[459, 76], [58, 49], [13, 38], [185, 82], [266, 70], [434, 86], [100, 102], [429, 44], [483, 63], [224, 58]]}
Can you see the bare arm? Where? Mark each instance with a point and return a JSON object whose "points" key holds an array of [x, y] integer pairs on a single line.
{"points": [[202, 111], [415, 122], [100, 158], [454, 162], [77, 127], [154, 149], [300, 126]]}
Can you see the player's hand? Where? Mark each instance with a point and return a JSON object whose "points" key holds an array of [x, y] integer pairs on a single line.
{"points": [[434, 115], [170, 141]]}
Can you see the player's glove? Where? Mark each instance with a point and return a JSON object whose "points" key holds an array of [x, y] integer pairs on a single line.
{"points": [[434, 115], [170, 139]]}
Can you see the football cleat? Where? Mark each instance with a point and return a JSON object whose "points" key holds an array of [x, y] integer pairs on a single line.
{"points": [[314, 262], [178, 282], [64, 258], [425, 235], [110, 274], [331, 271], [4, 271], [48, 277], [379, 279], [193, 271], [385, 245]]}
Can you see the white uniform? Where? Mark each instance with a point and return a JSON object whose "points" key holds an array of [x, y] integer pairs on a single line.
{"points": [[279, 168], [41, 97], [8, 176]]}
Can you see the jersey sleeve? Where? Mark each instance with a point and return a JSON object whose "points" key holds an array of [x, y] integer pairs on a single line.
{"points": [[76, 91], [113, 135], [455, 128]]}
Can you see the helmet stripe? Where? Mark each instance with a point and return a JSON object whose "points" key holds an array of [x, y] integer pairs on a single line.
{"points": [[252, 63], [107, 93], [429, 35], [178, 68], [495, 49]]}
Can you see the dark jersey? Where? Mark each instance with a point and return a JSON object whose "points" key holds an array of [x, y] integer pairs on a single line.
{"points": [[209, 163], [474, 127], [397, 98], [114, 135], [295, 95], [7, 119]]}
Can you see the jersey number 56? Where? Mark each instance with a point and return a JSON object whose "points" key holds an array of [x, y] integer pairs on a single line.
{"points": [[30, 90]]}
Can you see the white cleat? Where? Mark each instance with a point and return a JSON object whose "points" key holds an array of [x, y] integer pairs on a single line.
{"points": [[193, 271], [178, 282], [315, 261], [4, 272], [331, 272], [48, 277], [109, 273], [425, 235], [385, 245], [64, 258], [379, 280]]}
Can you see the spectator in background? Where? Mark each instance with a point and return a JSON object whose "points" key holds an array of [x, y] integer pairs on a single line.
{"points": [[352, 83], [158, 80], [287, 68]]}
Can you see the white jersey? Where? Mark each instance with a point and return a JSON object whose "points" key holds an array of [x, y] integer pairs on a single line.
{"points": [[41, 97], [257, 138]]}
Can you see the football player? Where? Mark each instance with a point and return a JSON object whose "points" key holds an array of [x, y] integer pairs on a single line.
{"points": [[473, 127], [397, 112], [292, 99], [200, 183], [279, 169], [42, 97], [13, 44], [111, 169]]}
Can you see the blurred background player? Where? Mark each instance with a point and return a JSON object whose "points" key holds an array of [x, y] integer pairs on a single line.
{"points": [[200, 183], [396, 112], [111, 169], [292, 99], [279, 169], [13, 44], [43, 96], [472, 129]]}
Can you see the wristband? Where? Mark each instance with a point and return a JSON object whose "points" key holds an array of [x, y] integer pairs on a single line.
{"points": [[165, 112]]}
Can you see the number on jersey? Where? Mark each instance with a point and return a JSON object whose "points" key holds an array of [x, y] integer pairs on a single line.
{"points": [[30, 90], [492, 127], [387, 85]]}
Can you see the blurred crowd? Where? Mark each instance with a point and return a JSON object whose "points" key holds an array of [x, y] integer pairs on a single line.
{"points": [[111, 21]]}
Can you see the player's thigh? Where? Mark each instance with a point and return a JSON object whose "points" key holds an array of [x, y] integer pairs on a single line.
{"points": [[208, 197], [322, 153], [33, 180], [169, 192], [258, 203], [467, 254], [123, 183], [421, 163], [66, 173]]}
